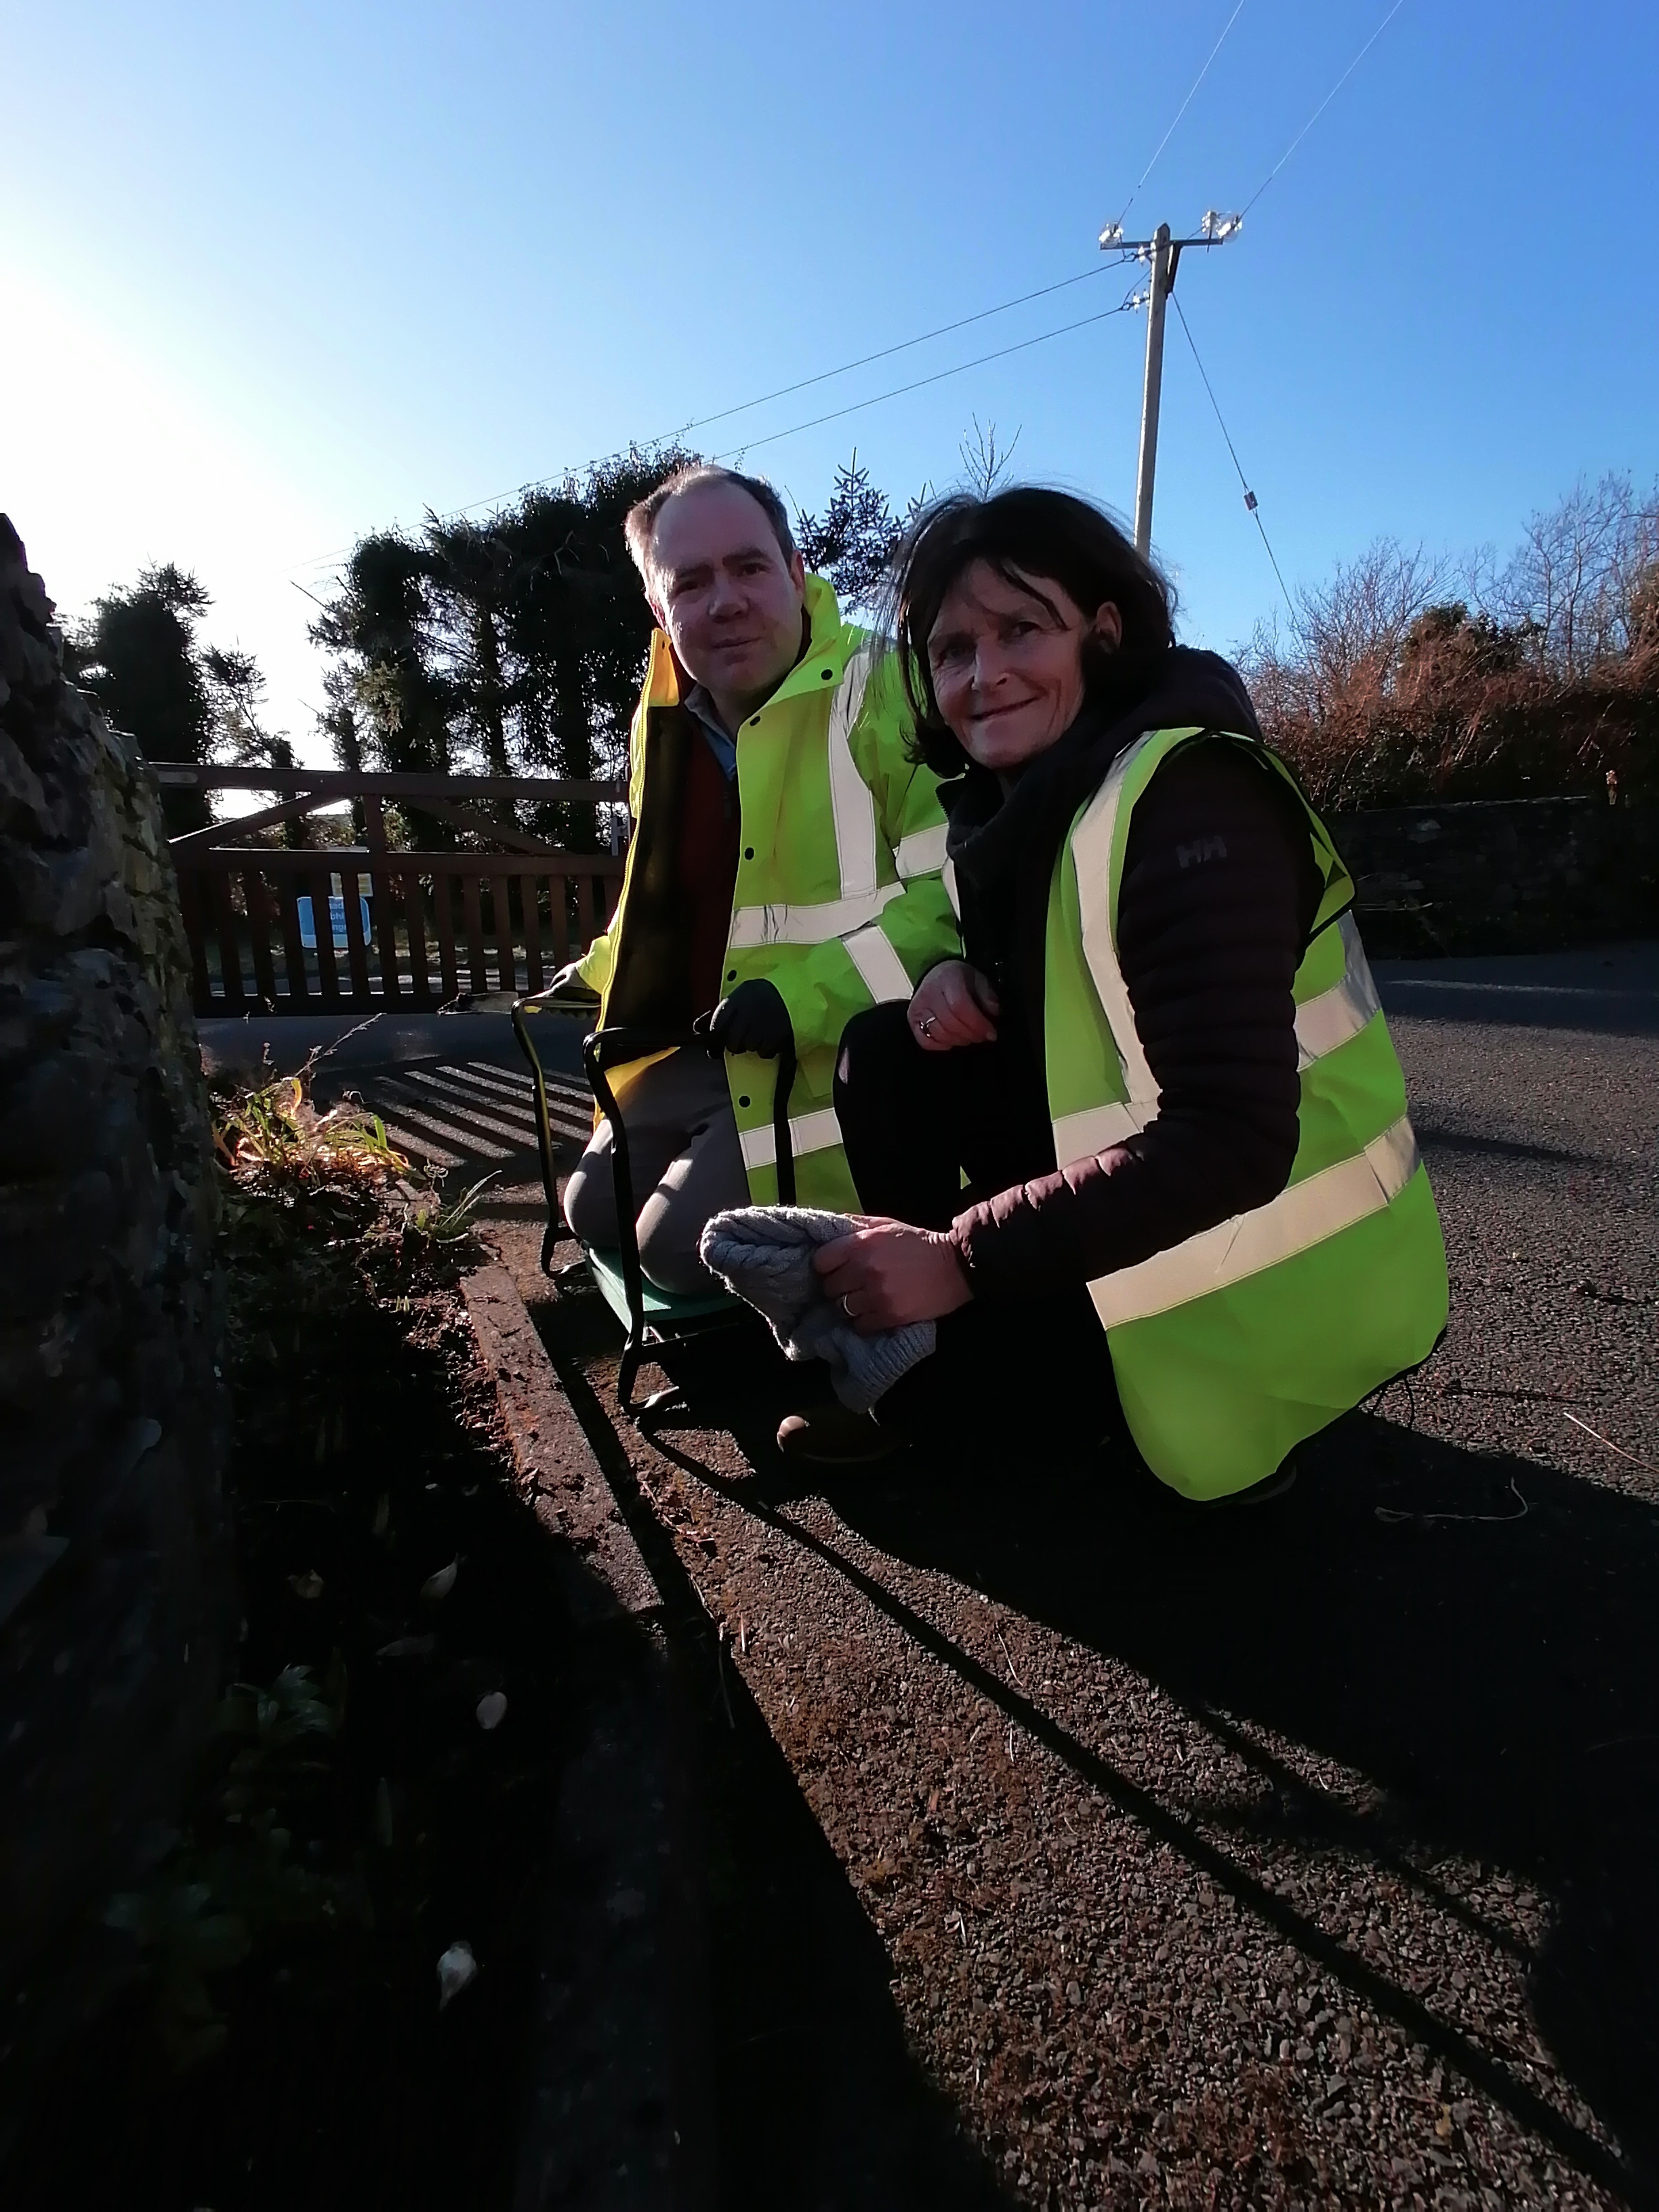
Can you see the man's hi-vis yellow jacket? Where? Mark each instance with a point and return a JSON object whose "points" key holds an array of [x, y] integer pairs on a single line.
{"points": [[841, 898]]}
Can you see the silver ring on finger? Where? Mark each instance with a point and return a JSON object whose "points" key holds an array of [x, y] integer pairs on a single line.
{"points": [[926, 1023], [847, 1307]]}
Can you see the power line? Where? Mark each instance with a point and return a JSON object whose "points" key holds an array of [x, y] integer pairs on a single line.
{"points": [[1165, 250], [1182, 110], [1001, 354], [824, 376], [887, 352], [827, 375], [964, 322], [1324, 105], [1249, 497], [1023, 299]]}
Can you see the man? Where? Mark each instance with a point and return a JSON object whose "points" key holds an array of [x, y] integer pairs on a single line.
{"points": [[785, 872]]}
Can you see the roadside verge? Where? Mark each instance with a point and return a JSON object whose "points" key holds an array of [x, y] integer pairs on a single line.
{"points": [[617, 2104]]}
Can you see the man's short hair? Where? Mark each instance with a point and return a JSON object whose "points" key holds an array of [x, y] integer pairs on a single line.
{"points": [[641, 527]]}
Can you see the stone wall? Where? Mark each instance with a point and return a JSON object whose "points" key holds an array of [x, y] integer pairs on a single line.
{"points": [[115, 1587], [1501, 876]]}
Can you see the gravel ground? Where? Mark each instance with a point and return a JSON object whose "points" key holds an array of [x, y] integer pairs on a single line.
{"points": [[1294, 1856]]}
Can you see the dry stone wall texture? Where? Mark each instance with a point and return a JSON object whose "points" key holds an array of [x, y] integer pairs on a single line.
{"points": [[115, 1588]]}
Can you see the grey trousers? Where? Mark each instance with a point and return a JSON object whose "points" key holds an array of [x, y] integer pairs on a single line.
{"points": [[685, 1162]]}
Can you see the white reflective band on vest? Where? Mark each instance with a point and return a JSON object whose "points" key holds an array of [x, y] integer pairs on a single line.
{"points": [[1092, 843], [852, 811], [885, 974], [1324, 1023], [1299, 1218], [808, 925], [851, 802], [808, 1132], [1321, 1024], [921, 853], [1302, 1216]]}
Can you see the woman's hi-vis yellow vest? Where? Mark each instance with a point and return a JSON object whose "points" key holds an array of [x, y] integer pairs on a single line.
{"points": [[1231, 1347], [840, 902]]}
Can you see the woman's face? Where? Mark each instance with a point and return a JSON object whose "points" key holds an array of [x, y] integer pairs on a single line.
{"points": [[1007, 668]]}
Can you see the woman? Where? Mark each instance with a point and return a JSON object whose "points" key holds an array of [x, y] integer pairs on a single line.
{"points": [[1147, 1143]]}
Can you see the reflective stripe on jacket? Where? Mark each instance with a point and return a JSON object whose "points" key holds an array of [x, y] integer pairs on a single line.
{"points": [[840, 899], [1230, 1348]]}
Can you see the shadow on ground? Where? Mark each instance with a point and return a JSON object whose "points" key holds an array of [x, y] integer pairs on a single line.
{"points": [[818, 2103], [1476, 1634]]}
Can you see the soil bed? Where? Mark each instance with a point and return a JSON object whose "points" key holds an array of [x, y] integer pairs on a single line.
{"points": [[284, 2044]]}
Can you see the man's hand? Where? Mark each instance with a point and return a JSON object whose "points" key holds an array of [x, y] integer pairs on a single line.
{"points": [[954, 1005], [753, 1019], [571, 979], [887, 1275]]}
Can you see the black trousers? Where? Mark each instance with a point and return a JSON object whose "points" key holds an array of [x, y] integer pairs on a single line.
{"points": [[915, 1123]]}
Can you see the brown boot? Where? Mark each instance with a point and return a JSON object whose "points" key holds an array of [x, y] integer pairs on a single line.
{"points": [[1259, 1493], [827, 1435]]}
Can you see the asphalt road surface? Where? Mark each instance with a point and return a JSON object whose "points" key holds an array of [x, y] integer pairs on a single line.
{"points": [[1297, 1856]]}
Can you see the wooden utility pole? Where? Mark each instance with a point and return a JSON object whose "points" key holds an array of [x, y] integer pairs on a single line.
{"points": [[1165, 259], [1163, 253]]}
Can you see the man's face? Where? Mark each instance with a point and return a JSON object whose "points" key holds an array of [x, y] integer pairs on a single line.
{"points": [[729, 600]]}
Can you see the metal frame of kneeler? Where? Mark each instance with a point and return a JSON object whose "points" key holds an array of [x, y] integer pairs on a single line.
{"points": [[543, 1002], [650, 1317]]}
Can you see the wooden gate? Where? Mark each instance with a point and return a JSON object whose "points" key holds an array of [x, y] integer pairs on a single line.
{"points": [[364, 928]]}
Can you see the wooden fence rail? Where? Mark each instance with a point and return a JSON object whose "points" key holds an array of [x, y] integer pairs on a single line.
{"points": [[440, 924]]}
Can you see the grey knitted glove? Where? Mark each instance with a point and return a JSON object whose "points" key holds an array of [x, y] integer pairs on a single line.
{"points": [[764, 1253]]}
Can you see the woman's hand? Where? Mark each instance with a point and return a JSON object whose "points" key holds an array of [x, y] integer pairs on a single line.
{"points": [[887, 1275], [954, 1005]]}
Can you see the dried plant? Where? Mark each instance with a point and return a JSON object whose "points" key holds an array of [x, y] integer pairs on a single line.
{"points": [[272, 1137], [1409, 679]]}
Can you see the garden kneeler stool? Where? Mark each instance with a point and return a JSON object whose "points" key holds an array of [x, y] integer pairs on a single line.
{"points": [[651, 1316]]}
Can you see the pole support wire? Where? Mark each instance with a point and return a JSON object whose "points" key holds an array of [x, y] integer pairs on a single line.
{"points": [[1253, 510]]}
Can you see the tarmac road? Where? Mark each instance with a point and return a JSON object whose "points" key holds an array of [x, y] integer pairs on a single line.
{"points": [[1302, 1855]]}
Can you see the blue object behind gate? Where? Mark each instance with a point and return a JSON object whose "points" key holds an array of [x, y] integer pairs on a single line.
{"points": [[337, 919]]}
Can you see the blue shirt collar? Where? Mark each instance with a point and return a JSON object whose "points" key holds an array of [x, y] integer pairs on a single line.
{"points": [[721, 743]]}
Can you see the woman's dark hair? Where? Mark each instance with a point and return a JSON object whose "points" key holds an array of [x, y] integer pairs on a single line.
{"points": [[1029, 535]]}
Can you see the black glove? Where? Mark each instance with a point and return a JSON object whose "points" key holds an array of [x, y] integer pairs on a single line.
{"points": [[570, 981], [753, 1019]]}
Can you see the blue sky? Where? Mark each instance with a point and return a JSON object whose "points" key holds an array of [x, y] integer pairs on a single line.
{"points": [[278, 277]]}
